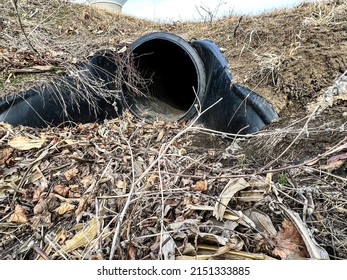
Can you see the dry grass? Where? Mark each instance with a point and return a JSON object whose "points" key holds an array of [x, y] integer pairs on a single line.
{"points": [[137, 201], [323, 14]]}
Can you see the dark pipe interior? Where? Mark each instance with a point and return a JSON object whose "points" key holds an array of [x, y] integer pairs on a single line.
{"points": [[171, 81]]}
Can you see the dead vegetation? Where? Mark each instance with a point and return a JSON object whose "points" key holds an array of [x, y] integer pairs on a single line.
{"points": [[125, 189]]}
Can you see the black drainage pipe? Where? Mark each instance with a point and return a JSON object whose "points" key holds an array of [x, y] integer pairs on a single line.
{"points": [[186, 78], [179, 80], [77, 97], [174, 75]]}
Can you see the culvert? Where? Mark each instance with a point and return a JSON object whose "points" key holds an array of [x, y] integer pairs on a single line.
{"points": [[173, 77], [184, 79], [178, 80]]}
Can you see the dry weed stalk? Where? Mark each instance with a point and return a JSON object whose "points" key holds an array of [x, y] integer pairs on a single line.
{"points": [[163, 150], [15, 6], [208, 14], [322, 15], [270, 63]]}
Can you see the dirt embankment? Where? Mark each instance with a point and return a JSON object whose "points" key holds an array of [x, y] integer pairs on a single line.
{"points": [[289, 56]]}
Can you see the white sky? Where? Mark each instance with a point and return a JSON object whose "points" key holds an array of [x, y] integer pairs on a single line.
{"points": [[172, 10], [168, 10]]}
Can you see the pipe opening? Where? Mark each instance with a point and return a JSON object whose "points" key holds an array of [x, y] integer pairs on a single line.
{"points": [[173, 76]]}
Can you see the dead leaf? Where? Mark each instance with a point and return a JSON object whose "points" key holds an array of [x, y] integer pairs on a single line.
{"points": [[18, 216], [40, 207], [81, 205], [213, 238], [71, 173], [6, 155], [236, 216], [216, 251], [168, 249], [86, 181], [315, 251], [63, 208], [151, 180], [120, 184], [225, 252], [37, 193], [73, 187], [333, 165], [24, 143], [132, 251], [289, 244], [200, 186], [61, 190], [160, 135], [189, 250], [261, 220], [6, 187], [42, 220], [69, 142], [251, 196], [232, 187], [156, 245], [81, 238], [188, 223]]}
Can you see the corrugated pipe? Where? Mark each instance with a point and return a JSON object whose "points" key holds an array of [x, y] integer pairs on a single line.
{"points": [[182, 80]]}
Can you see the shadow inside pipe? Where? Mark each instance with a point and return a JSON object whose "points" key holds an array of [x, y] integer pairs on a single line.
{"points": [[173, 75]]}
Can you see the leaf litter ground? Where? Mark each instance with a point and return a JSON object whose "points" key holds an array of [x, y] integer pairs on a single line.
{"points": [[125, 189]]}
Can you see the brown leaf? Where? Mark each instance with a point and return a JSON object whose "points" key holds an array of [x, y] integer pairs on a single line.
{"points": [[6, 155], [71, 173], [232, 187], [73, 187], [40, 207], [160, 135], [189, 250], [42, 220], [289, 243], [86, 181], [213, 238], [132, 250], [24, 143], [18, 216], [156, 245], [200, 186], [82, 203], [333, 165], [63, 208], [61, 190], [37, 194], [151, 180]]}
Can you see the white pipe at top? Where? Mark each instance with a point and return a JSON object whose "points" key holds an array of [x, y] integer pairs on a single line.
{"points": [[110, 5]]}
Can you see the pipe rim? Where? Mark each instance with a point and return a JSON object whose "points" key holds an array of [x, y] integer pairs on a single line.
{"points": [[196, 61]]}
